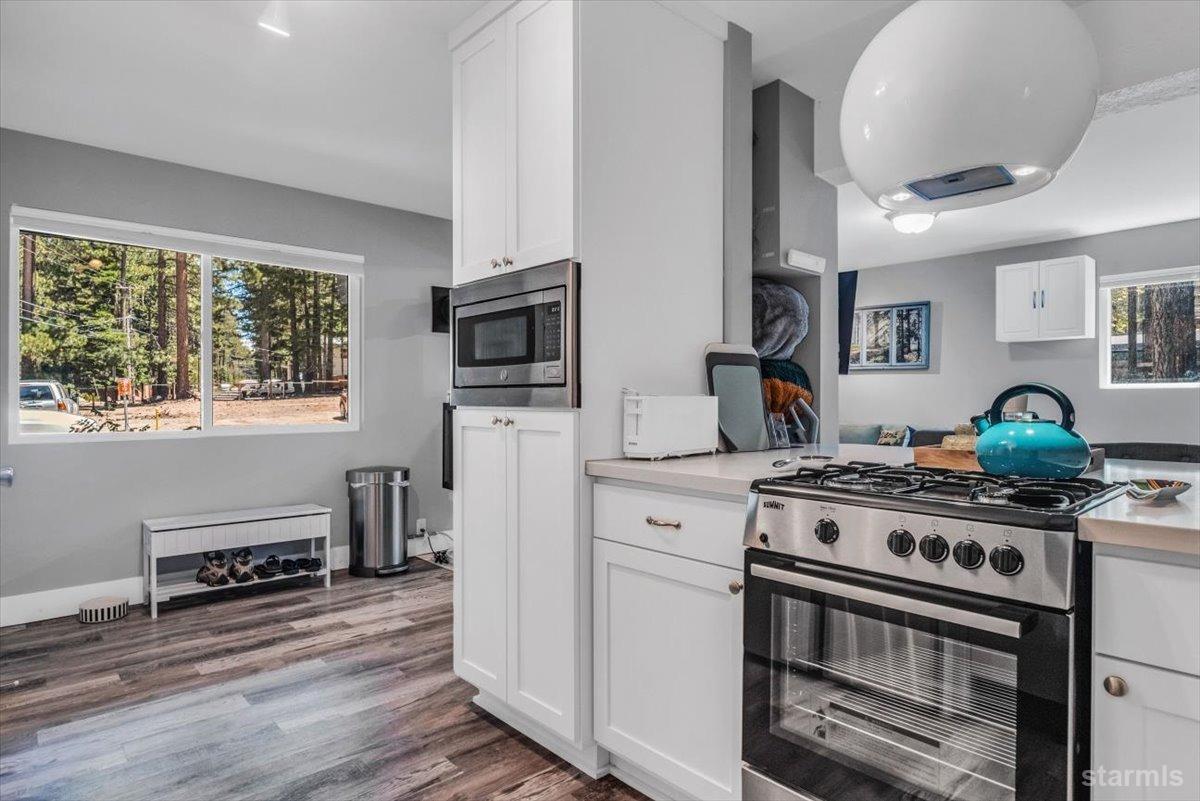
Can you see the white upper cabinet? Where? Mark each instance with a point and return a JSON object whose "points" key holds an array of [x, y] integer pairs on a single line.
{"points": [[541, 133], [480, 154], [1041, 300], [514, 142], [1016, 302]]}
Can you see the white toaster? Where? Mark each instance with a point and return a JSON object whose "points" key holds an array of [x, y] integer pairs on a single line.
{"points": [[657, 426]]}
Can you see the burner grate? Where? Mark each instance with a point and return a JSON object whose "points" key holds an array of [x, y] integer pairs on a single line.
{"points": [[954, 485]]}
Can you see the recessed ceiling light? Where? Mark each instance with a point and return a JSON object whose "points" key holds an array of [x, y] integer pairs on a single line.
{"points": [[274, 18], [1023, 171], [900, 197], [911, 222]]}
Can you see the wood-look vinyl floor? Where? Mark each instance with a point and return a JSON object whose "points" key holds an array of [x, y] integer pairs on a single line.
{"points": [[274, 693]]}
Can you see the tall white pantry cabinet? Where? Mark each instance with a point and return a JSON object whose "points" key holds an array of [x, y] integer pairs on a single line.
{"points": [[593, 132]]}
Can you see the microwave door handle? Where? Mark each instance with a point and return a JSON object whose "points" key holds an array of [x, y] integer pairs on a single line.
{"points": [[901, 603]]}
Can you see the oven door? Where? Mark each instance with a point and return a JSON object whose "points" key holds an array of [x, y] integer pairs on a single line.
{"points": [[861, 688], [512, 341]]}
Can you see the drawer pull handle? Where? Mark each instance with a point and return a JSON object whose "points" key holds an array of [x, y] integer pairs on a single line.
{"points": [[654, 521], [1115, 686], [735, 587]]}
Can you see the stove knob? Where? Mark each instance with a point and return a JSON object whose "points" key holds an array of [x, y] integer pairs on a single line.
{"points": [[764, 539], [934, 548], [900, 542], [826, 531], [969, 554], [1007, 560]]}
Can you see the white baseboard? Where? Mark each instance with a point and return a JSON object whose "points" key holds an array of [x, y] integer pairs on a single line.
{"points": [[64, 601]]}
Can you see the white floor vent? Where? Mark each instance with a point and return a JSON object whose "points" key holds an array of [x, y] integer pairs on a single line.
{"points": [[102, 610]]}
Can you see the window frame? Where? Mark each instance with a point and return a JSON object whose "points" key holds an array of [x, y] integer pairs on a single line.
{"points": [[860, 313], [1105, 285], [207, 246]]}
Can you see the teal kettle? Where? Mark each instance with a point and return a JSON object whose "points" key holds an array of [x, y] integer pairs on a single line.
{"points": [[1030, 447]]}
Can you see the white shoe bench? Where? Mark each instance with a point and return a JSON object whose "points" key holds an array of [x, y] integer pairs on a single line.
{"points": [[164, 537]]}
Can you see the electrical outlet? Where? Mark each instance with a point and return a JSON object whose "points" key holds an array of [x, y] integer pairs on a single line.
{"points": [[421, 526]]}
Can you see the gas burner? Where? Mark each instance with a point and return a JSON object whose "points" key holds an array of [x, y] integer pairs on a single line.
{"points": [[1027, 497], [868, 482]]}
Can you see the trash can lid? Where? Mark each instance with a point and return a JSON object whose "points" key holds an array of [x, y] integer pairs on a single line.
{"points": [[377, 474]]}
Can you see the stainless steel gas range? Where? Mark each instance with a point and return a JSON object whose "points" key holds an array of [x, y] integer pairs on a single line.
{"points": [[911, 633]]}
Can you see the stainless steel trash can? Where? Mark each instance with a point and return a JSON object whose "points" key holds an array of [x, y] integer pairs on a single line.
{"points": [[379, 512]]}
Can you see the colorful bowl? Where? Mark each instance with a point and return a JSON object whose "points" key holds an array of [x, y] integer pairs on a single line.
{"points": [[1156, 489]]}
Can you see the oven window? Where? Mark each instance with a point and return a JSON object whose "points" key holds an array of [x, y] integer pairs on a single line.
{"points": [[912, 709], [497, 339]]}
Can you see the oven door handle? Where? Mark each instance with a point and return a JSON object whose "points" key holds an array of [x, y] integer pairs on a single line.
{"points": [[947, 614]]}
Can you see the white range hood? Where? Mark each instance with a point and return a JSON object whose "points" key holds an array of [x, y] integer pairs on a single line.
{"points": [[961, 103]]}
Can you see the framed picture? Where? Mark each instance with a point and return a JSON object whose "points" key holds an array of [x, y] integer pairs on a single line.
{"points": [[891, 337]]}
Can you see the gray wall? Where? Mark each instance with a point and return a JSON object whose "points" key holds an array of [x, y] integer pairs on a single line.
{"points": [[969, 367], [73, 515], [793, 208]]}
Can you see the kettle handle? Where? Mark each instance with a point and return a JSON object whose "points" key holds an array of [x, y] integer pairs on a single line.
{"points": [[996, 413]]}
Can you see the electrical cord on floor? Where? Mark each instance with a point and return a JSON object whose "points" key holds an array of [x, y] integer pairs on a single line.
{"points": [[441, 557]]}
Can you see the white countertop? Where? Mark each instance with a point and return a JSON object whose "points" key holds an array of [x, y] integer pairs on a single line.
{"points": [[731, 473], [1171, 526], [1165, 526]]}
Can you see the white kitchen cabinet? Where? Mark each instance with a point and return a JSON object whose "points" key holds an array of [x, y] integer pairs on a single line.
{"points": [[480, 153], [1141, 737], [515, 578], [542, 510], [480, 548], [514, 142], [1046, 300], [1145, 675], [1016, 302], [668, 666]]}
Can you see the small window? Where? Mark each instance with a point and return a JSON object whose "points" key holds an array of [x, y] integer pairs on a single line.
{"points": [[1152, 329], [117, 327], [892, 337], [280, 345]]}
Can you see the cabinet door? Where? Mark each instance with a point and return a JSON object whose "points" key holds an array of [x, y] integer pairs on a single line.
{"points": [[1066, 298], [1145, 742], [478, 144], [668, 666], [543, 632], [541, 132], [480, 549], [1017, 302]]}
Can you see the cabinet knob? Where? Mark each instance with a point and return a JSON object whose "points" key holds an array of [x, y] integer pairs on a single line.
{"points": [[735, 587], [495, 263], [1115, 686], [654, 521], [508, 261], [495, 420], [508, 421]]}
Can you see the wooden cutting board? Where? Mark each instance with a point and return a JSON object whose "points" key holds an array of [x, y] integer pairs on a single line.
{"points": [[937, 456]]}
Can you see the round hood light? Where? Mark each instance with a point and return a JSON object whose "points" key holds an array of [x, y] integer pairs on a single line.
{"points": [[948, 109], [911, 222]]}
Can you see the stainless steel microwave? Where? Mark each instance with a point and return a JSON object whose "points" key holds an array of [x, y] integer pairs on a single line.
{"points": [[516, 338]]}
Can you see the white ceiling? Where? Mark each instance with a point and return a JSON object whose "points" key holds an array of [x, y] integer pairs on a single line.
{"points": [[356, 103]]}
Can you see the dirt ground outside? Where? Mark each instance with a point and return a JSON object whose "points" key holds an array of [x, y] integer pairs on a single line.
{"points": [[177, 415]]}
